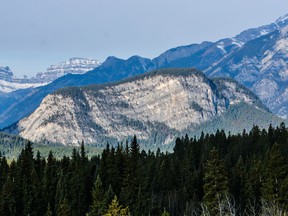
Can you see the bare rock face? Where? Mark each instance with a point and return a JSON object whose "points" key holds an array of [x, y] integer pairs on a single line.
{"points": [[157, 104], [72, 66], [6, 74]]}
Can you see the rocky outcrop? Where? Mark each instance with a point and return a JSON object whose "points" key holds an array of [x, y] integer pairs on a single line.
{"points": [[72, 66], [6, 74], [156, 105]]}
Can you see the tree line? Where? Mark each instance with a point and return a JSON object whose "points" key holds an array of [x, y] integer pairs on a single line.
{"points": [[215, 174]]}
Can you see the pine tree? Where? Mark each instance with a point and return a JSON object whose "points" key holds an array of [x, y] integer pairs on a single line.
{"points": [[26, 167], [64, 209], [275, 185], [3, 170], [109, 195], [215, 182], [116, 210], [165, 213], [49, 211], [252, 186], [8, 198], [50, 180], [131, 181], [97, 207]]}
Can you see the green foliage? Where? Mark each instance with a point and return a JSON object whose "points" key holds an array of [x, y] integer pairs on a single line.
{"points": [[242, 174], [49, 211], [165, 213], [116, 210], [98, 202], [215, 182], [275, 184], [64, 209]]}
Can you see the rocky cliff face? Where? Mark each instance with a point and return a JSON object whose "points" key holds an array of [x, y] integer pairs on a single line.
{"points": [[72, 66], [6, 74], [152, 106]]}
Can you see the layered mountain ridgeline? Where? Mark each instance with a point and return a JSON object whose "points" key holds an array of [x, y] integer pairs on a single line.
{"points": [[8, 83], [72, 66], [261, 65], [112, 69], [14, 91], [206, 56], [156, 106]]}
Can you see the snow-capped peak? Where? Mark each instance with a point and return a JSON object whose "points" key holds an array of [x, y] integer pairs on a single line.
{"points": [[282, 21], [282, 18]]}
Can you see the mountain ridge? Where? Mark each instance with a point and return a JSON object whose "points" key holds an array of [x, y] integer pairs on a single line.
{"points": [[152, 106], [205, 56]]}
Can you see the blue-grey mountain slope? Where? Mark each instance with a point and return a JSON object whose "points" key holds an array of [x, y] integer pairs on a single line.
{"points": [[207, 56], [261, 65], [113, 69]]}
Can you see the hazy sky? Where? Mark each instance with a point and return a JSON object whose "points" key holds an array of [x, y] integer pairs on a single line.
{"points": [[37, 33]]}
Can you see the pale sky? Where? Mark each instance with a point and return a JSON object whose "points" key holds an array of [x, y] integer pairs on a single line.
{"points": [[37, 33]]}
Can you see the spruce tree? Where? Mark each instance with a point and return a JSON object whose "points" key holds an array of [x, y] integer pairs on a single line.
{"points": [[49, 211], [275, 185], [116, 210], [50, 181], [215, 182], [97, 207], [64, 209]]}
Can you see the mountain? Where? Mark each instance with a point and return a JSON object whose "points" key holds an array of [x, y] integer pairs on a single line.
{"points": [[261, 65], [155, 106], [6, 74], [7, 87], [113, 69], [208, 56], [72, 66], [9, 82], [257, 58]]}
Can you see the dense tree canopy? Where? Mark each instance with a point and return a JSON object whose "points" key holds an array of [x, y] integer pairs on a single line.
{"points": [[243, 174]]}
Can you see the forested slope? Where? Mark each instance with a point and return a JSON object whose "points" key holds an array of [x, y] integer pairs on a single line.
{"points": [[216, 174]]}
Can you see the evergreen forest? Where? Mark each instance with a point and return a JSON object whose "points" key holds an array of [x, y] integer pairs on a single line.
{"points": [[215, 174]]}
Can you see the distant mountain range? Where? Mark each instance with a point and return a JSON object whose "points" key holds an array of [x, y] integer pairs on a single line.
{"points": [[257, 58], [72, 66], [155, 106]]}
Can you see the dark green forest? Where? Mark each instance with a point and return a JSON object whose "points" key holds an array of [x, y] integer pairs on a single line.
{"points": [[215, 174]]}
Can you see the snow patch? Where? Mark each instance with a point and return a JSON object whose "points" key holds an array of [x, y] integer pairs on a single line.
{"points": [[8, 87]]}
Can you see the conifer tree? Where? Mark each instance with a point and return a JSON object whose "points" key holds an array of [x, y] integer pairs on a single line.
{"points": [[50, 181], [49, 211], [275, 185], [64, 209], [97, 207], [215, 182], [131, 181], [165, 213], [8, 198], [116, 210]]}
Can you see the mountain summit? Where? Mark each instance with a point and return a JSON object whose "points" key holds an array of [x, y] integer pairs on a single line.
{"points": [[152, 106], [256, 58]]}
